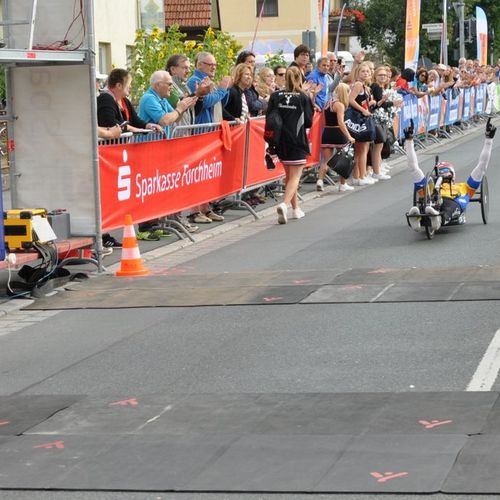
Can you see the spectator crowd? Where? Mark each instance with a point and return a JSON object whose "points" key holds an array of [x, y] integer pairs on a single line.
{"points": [[180, 95]]}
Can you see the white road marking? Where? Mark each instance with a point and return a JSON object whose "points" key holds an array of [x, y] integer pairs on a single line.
{"points": [[17, 320], [487, 370], [390, 285], [167, 408]]}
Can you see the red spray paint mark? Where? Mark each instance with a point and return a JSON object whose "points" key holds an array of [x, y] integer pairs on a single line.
{"points": [[272, 299], [4, 422], [169, 271], [380, 271], [31, 55], [434, 423], [125, 402], [49, 446], [301, 282], [383, 477]]}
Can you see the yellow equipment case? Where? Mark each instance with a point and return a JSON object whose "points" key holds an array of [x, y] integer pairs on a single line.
{"points": [[18, 226]]}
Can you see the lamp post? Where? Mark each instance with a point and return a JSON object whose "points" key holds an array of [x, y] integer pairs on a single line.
{"points": [[459, 9], [444, 39]]}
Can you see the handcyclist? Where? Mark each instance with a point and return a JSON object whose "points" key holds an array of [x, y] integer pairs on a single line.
{"points": [[455, 195]]}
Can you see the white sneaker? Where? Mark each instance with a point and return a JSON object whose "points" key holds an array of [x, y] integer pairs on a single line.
{"points": [[282, 212], [436, 219], [385, 166], [355, 182], [381, 177], [345, 187], [297, 213], [414, 221], [320, 185], [365, 181], [371, 178]]}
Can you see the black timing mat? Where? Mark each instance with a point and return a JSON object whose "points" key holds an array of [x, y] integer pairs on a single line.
{"points": [[478, 467], [314, 442], [377, 285], [20, 413]]}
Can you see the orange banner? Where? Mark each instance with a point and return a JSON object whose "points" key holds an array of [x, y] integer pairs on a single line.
{"points": [[154, 179], [412, 32]]}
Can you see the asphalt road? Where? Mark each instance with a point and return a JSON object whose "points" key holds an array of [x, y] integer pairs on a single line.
{"points": [[301, 348]]}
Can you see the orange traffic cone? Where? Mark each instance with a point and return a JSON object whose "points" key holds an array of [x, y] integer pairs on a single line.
{"points": [[131, 263]]}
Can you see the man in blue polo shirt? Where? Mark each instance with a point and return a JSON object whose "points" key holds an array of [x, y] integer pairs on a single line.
{"points": [[154, 106], [319, 76]]}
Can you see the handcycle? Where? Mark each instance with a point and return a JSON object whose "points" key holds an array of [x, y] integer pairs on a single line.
{"points": [[430, 196]]}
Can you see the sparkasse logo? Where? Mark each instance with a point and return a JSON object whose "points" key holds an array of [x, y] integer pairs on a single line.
{"points": [[124, 180]]}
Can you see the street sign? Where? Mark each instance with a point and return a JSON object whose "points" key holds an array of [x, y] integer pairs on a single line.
{"points": [[433, 27], [434, 35]]}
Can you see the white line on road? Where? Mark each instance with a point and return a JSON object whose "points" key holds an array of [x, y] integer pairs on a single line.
{"points": [[487, 371], [167, 408]]}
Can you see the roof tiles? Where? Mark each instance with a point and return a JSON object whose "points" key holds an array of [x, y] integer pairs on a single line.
{"points": [[188, 13]]}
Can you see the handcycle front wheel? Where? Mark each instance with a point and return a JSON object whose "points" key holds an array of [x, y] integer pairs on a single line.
{"points": [[429, 230], [429, 200], [484, 200]]}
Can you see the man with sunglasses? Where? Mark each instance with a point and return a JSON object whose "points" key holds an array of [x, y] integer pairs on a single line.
{"points": [[280, 73], [335, 71], [212, 103], [154, 106]]}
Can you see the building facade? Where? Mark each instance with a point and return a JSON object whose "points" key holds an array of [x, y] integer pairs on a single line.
{"points": [[115, 24], [281, 19]]}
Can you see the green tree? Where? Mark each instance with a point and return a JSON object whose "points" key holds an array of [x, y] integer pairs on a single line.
{"points": [[277, 59], [492, 9], [2, 82], [382, 33]]}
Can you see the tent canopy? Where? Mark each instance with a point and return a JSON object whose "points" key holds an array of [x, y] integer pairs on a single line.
{"points": [[263, 47]]}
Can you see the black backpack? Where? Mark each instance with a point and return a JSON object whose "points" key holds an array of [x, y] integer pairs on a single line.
{"points": [[274, 124]]}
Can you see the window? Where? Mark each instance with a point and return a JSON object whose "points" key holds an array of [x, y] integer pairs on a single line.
{"points": [[104, 57], [128, 50], [270, 8]]}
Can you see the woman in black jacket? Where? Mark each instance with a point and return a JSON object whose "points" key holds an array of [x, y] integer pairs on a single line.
{"points": [[296, 112], [236, 107], [114, 107]]}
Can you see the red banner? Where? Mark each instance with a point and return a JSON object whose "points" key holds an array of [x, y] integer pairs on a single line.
{"points": [[154, 179], [258, 173], [315, 140]]}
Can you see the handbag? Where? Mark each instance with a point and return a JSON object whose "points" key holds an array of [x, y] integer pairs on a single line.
{"points": [[272, 128], [361, 127], [388, 147], [342, 162], [380, 133]]}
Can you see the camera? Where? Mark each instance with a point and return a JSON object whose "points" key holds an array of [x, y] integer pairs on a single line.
{"points": [[269, 162]]}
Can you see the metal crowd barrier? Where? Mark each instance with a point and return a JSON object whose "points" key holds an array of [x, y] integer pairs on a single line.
{"points": [[130, 138], [124, 180]]}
